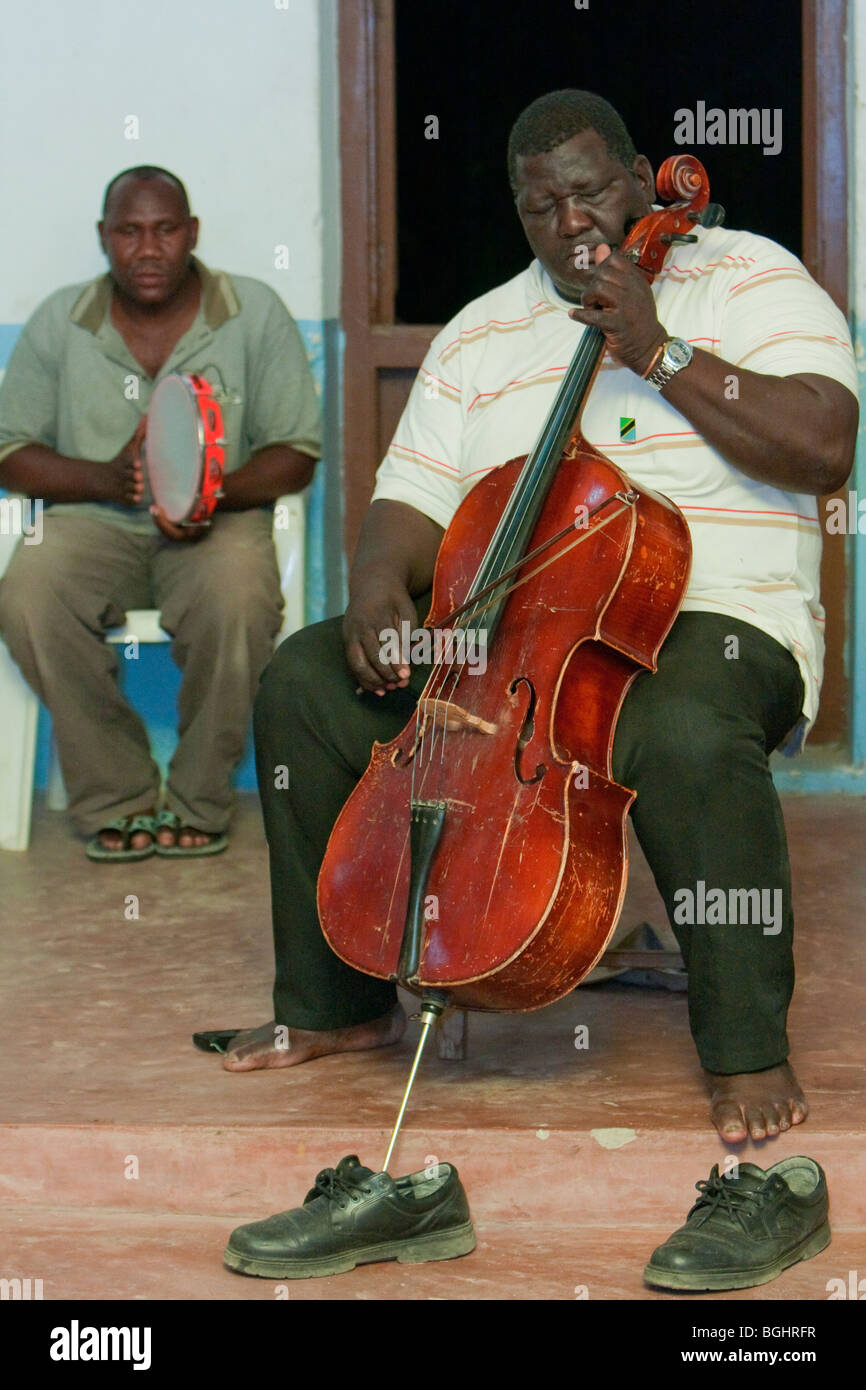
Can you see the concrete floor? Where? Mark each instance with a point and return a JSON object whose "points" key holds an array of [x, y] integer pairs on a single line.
{"points": [[126, 1156]]}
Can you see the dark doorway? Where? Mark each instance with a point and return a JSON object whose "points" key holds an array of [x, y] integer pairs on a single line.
{"points": [[474, 66], [429, 224]]}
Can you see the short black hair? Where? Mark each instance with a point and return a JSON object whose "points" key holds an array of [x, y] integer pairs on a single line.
{"points": [[146, 171], [552, 119]]}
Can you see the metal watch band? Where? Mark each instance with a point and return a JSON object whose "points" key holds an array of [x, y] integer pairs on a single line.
{"points": [[662, 374]]}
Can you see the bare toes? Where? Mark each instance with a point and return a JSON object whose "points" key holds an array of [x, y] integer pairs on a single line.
{"points": [[772, 1119], [238, 1058], [728, 1119]]}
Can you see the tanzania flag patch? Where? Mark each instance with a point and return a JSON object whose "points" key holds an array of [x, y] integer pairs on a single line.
{"points": [[626, 429]]}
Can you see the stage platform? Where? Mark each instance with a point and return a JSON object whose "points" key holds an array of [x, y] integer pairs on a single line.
{"points": [[126, 1156]]}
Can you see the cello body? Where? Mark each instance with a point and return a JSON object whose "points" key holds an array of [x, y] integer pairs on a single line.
{"points": [[482, 858], [529, 875]]}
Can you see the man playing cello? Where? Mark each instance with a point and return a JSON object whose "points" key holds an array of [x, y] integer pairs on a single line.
{"points": [[738, 372]]}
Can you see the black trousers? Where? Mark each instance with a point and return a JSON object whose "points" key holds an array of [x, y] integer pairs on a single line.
{"points": [[693, 741]]}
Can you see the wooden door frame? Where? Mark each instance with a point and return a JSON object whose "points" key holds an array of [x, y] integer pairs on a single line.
{"points": [[374, 343], [825, 146], [369, 178], [825, 255]]}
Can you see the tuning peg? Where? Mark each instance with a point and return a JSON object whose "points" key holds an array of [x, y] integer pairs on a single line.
{"points": [[669, 237], [713, 215]]}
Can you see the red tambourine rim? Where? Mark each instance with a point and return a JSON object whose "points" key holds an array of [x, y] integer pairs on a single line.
{"points": [[211, 451]]}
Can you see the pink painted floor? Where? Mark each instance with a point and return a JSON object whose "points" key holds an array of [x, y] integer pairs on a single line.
{"points": [[577, 1162]]}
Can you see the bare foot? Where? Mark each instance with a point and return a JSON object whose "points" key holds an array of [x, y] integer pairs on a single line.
{"points": [[756, 1103], [275, 1046]]}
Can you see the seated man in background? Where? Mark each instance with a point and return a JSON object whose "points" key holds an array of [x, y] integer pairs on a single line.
{"points": [[72, 408]]}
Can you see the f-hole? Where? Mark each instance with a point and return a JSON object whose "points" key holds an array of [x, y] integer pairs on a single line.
{"points": [[526, 732]]}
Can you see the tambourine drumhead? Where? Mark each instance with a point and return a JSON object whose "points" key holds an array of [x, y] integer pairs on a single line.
{"points": [[175, 447], [184, 449]]}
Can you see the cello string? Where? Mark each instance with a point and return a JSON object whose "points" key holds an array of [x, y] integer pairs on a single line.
{"points": [[444, 672], [414, 756], [535, 472], [628, 498], [553, 558], [531, 478], [471, 611], [455, 676]]}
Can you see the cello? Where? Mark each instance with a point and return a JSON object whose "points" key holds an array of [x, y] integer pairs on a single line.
{"points": [[481, 860]]}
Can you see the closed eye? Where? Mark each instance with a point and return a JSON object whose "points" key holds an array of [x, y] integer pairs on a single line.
{"points": [[591, 195]]}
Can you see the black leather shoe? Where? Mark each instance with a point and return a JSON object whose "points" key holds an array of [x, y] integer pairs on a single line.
{"points": [[354, 1216], [745, 1229]]}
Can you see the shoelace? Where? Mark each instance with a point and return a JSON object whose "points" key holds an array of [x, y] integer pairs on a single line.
{"points": [[330, 1184], [737, 1201]]}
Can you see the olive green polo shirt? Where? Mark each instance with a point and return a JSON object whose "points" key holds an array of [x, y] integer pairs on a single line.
{"points": [[73, 385]]}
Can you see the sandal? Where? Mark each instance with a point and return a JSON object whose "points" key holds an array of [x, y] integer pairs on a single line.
{"points": [[167, 820], [217, 1040], [126, 826]]}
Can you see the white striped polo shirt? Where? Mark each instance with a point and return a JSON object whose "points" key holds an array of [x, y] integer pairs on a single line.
{"points": [[489, 379]]}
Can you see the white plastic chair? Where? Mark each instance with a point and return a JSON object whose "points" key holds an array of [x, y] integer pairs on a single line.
{"points": [[19, 707]]}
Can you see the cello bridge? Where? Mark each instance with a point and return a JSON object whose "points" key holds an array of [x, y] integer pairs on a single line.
{"points": [[443, 714]]}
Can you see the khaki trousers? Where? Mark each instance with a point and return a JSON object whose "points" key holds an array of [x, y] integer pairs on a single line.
{"points": [[219, 598]]}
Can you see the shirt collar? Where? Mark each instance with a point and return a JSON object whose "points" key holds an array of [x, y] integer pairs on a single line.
{"points": [[218, 299], [542, 288], [549, 290]]}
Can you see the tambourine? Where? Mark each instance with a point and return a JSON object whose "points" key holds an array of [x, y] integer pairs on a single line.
{"points": [[184, 449]]}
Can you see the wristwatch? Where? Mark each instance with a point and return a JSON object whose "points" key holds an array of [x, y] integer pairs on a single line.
{"points": [[676, 354]]}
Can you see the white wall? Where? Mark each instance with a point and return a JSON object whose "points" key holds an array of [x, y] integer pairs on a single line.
{"points": [[239, 98], [227, 95]]}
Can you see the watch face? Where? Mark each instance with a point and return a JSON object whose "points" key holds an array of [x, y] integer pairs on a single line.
{"points": [[680, 353]]}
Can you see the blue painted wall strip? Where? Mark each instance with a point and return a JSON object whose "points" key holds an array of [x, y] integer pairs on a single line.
{"points": [[845, 781], [8, 338], [325, 558]]}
